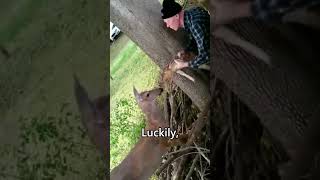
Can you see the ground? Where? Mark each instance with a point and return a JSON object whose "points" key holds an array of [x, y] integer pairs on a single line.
{"points": [[40, 128], [117, 45]]}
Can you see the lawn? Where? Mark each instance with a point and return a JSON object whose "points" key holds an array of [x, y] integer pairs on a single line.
{"points": [[41, 133], [131, 67]]}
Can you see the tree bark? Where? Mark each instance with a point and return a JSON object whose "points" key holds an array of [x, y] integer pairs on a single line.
{"points": [[141, 22], [284, 95]]}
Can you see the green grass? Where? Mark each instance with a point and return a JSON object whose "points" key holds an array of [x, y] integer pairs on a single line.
{"points": [[49, 41], [132, 67], [27, 9]]}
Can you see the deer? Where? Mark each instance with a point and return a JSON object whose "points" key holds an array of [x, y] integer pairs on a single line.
{"points": [[94, 116], [146, 155]]}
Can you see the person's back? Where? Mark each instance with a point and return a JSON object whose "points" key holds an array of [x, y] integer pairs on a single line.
{"points": [[198, 15], [197, 25], [262, 10]]}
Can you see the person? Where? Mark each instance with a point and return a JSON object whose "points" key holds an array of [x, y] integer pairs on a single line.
{"points": [[262, 10], [196, 22]]}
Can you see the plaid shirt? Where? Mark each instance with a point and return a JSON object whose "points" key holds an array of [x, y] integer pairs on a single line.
{"points": [[267, 10], [197, 25]]}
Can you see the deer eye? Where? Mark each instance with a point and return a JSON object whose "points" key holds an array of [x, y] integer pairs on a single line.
{"points": [[148, 95]]}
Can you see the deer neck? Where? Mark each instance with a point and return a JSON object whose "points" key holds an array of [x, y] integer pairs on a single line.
{"points": [[154, 117], [141, 162], [146, 155]]}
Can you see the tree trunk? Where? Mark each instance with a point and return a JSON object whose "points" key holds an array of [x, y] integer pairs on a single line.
{"points": [[284, 95], [141, 22]]}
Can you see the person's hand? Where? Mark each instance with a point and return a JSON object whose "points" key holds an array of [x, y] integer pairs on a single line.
{"points": [[180, 53], [185, 55], [178, 64]]}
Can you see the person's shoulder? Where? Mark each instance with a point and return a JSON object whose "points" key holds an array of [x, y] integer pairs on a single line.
{"points": [[197, 10], [194, 8]]}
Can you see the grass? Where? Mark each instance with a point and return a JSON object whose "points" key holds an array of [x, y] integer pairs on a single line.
{"points": [[49, 41], [27, 9], [131, 67]]}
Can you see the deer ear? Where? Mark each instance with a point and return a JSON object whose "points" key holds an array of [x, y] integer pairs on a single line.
{"points": [[136, 94], [85, 105]]}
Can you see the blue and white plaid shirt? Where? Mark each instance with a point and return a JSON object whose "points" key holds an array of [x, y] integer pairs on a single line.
{"points": [[197, 25], [267, 10]]}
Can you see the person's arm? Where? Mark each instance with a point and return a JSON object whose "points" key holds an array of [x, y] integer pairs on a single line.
{"points": [[202, 39], [263, 10], [191, 45]]}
